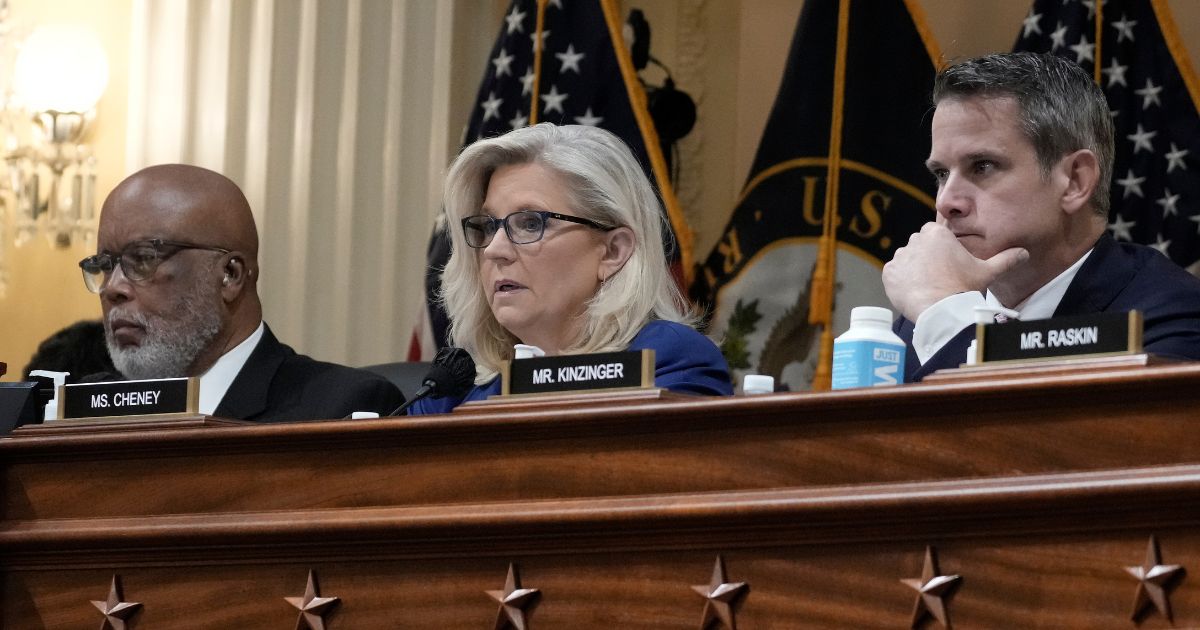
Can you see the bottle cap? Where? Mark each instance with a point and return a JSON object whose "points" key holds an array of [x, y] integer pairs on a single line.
{"points": [[523, 351], [875, 314], [758, 384]]}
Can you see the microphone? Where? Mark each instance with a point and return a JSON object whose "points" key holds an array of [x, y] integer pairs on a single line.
{"points": [[452, 374]]}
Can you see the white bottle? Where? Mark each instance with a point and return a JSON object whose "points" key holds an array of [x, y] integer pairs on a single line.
{"points": [[869, 354], [758, 384]]}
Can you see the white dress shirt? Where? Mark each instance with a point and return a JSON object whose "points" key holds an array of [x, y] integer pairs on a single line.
{"points": [[939, 323], [216, 381]]}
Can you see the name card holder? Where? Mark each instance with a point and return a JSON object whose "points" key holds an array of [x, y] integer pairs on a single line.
{"points": [[1100, 342], [155, 399], [1094, 335], [574, 373]]}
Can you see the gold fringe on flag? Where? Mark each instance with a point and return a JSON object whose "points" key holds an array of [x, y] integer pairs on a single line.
{"points": [[820, 308]]}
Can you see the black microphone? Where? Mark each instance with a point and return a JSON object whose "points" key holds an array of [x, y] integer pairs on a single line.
{"points": [[452, 374]]}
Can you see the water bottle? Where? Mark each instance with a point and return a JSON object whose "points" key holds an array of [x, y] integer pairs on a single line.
{"points": [[869, 354]]}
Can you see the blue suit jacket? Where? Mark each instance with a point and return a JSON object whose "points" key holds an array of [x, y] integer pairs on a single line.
{"points": [[1117, 277], [684, 361]]}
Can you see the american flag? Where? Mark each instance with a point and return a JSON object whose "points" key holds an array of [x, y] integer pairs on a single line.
{"points": [[1153, 94], [580, 83]]}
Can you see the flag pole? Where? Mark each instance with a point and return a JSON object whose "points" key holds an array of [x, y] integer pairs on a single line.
{"points": [[637, 100], [820, 308], [537, 60]]}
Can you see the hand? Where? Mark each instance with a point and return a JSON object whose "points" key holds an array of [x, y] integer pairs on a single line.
{"points": [[934, 265]]}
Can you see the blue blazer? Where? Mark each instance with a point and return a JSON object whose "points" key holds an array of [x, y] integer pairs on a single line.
{"points": [[1117, 277], [684, 361]]}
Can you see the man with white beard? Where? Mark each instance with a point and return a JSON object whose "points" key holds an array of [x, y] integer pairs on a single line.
{"points": [[177, 273]]}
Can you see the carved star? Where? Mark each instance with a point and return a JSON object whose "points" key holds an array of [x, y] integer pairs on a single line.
{"points": [[721, 598], [934, 592], [313, 607], [1155, 582], [513, 601], [116, 612]]}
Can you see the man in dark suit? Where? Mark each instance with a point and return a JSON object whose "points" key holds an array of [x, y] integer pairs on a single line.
{"points": [[177, 273], [1022, 150]]}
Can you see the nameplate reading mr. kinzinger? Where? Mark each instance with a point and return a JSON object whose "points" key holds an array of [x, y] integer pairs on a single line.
{"points": [[1098, 334], [158, 397], [579, 372]]}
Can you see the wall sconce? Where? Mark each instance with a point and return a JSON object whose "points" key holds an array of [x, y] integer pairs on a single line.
{"points": [[59, 75]]}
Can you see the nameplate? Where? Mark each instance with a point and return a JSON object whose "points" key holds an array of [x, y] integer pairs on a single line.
{"points": [[158, 397], [578, 372], [1099, 334]]}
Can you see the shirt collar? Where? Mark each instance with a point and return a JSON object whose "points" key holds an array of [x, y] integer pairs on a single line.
{"points": [[1044, 301], [216, 381]]}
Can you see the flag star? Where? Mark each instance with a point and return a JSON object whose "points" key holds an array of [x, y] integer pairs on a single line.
{"points": [[1031, 23], [1175, 158], [533, 38], [1149, 94], [1168, 202], [1091, 7], [1196, 218], [527, 82], [515, 20], [556, 3], [518, 121], [554, 100], [1115, 73], [1059, 37], [503, 63], [1124, 28], [1132, 184], [570, 59], [491, 107], [1142, 139], [589, 119], [1161, 245], [1121, 228], [1084, 50]]}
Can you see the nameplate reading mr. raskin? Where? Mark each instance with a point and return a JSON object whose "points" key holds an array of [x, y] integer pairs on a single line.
{"points": [[578, 372], [156, 397], [1080, 335]]}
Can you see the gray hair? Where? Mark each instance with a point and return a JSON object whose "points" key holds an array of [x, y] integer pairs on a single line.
{"points": [[604, 183], [1062, 109]]}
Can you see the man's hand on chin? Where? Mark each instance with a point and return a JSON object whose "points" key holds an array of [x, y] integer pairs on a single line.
{"points": [[934, 265]]}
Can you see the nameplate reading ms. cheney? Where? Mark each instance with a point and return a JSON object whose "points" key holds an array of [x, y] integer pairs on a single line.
{"points": [[1100, 334], [579, 372], [158, 397]]}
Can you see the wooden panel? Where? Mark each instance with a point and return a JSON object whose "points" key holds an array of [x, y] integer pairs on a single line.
{"points": [[1038, 492]]}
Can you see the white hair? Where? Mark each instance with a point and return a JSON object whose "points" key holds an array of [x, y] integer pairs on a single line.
{"points": [[604, 183]]}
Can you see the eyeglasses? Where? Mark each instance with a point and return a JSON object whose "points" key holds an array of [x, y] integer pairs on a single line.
{"points": [[138, 260], [522, 228]]}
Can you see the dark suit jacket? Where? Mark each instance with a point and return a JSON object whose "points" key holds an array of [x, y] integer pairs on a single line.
{"points": [[278, 385], [1117, 277]]}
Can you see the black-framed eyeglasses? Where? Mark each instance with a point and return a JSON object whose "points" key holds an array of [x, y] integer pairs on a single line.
{"points": [[138, 260], [522, 228]]}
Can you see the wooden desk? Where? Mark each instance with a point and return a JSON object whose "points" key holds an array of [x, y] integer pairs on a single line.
{"points": [[1038, 492]]}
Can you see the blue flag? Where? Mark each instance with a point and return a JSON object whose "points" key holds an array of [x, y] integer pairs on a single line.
{"points": [[759, 277], [1153, 94]]}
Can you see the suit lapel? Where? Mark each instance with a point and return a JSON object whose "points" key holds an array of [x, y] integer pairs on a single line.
{"points": [[1098, 281], [247, 394]]}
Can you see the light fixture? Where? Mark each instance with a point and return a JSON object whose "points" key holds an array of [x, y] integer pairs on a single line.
{"points": [[50, 92]]}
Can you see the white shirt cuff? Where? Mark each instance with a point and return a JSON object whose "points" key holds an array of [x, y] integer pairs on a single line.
{"points": [[938, 324]]}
